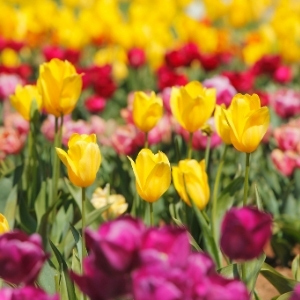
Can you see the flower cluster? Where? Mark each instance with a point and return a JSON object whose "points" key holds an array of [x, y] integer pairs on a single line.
{"points": [[129, 259]]}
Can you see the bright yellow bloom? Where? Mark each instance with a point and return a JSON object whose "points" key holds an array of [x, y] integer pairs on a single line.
{"points": [[192, 105], [23, 97], [147, 110], [152, 173], [83, 159], [222, 126], [248, 122], [60, 86], [191, 183], [4, 227]]}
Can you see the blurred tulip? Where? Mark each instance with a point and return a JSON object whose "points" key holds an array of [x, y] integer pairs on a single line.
{"points": [[136, 57], [147, 110], [222, 126], [283, 74], [95, 104], [60, 87], [8, 84], [22, 257], [192, 105], [296, 293], [23, 98], [285, 161], [4, 226], [152, 174], [167, 77], [191, 182], [82, 160], [248, 122], [26, 293], [244, 233]]}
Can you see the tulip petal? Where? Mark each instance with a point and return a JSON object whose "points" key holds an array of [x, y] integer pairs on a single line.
{"points": [[63, 156], [133, 165], [179, 185], [194, 89], [158, 181]]}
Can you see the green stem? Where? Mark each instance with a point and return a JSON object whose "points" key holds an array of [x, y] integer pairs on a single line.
{"points": [[83, 226], [190, 145], [146, 140], [215, 195], [207, 151], [246, 183], [151, 213]]}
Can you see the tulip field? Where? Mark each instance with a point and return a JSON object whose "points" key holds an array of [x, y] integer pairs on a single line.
{"points": [[149, 150]]}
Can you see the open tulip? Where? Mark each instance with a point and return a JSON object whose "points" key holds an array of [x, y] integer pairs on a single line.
{"points": [[192, 105], [222, 126], [147, 110], [248, 122], [60, 86], [23, 97], [152, 173], [190, 181], [4, 227], [83, 159]]}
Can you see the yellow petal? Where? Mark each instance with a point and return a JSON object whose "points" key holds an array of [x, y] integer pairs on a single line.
{"points": [[137, 178], [145, 162], [179, 185]]}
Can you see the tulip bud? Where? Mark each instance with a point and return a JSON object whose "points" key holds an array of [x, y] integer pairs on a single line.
{"points": [[4, 226], [83, 159], [147, 110], [248, 122], [244, 232], [192, 105], [60, 86], [190, 181], [152, 173], [23, 98]]}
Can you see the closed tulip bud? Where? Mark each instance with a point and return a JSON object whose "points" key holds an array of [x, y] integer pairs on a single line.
{"points": [[4, 227], [192, 105], [222, 126], [248, 122], [244, 232], [147, 110], [23, 98], [60, 86], [82, 160], [190, 181], [152, 173]]}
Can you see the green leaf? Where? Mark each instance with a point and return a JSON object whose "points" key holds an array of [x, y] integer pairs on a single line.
{"points": [[75, 192], [40, 204], [230, 271], [28, 223], [281, 283], [258, 200], [5, 188], [77, 239], [295, 267], [11, 207], [65, 279], [46, 278], [285, 296]]}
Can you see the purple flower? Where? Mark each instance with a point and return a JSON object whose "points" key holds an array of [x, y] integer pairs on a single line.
{"points": [[21, 257], [296, 293], [116, 244], [99, 285], [225, 90], [244, 232], [25, 293], [165, 242]]}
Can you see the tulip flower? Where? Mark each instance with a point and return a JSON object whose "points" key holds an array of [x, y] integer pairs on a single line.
{"points": [[244, 232], [22, 257], [147, 110], [190, 181], [222, 126], [248, 122], [23, 97], [25, 293], [192, 105], [60, 86], [83, 159], [152, 173], [4, 227]]}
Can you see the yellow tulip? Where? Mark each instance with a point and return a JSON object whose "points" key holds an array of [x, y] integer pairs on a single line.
{"points": [[60, 87], [4, 227], [82, 160], [190, 181], [192, 105], [147, 110], [222, 126], [152, 173], [248, 122], [23, 98]]}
